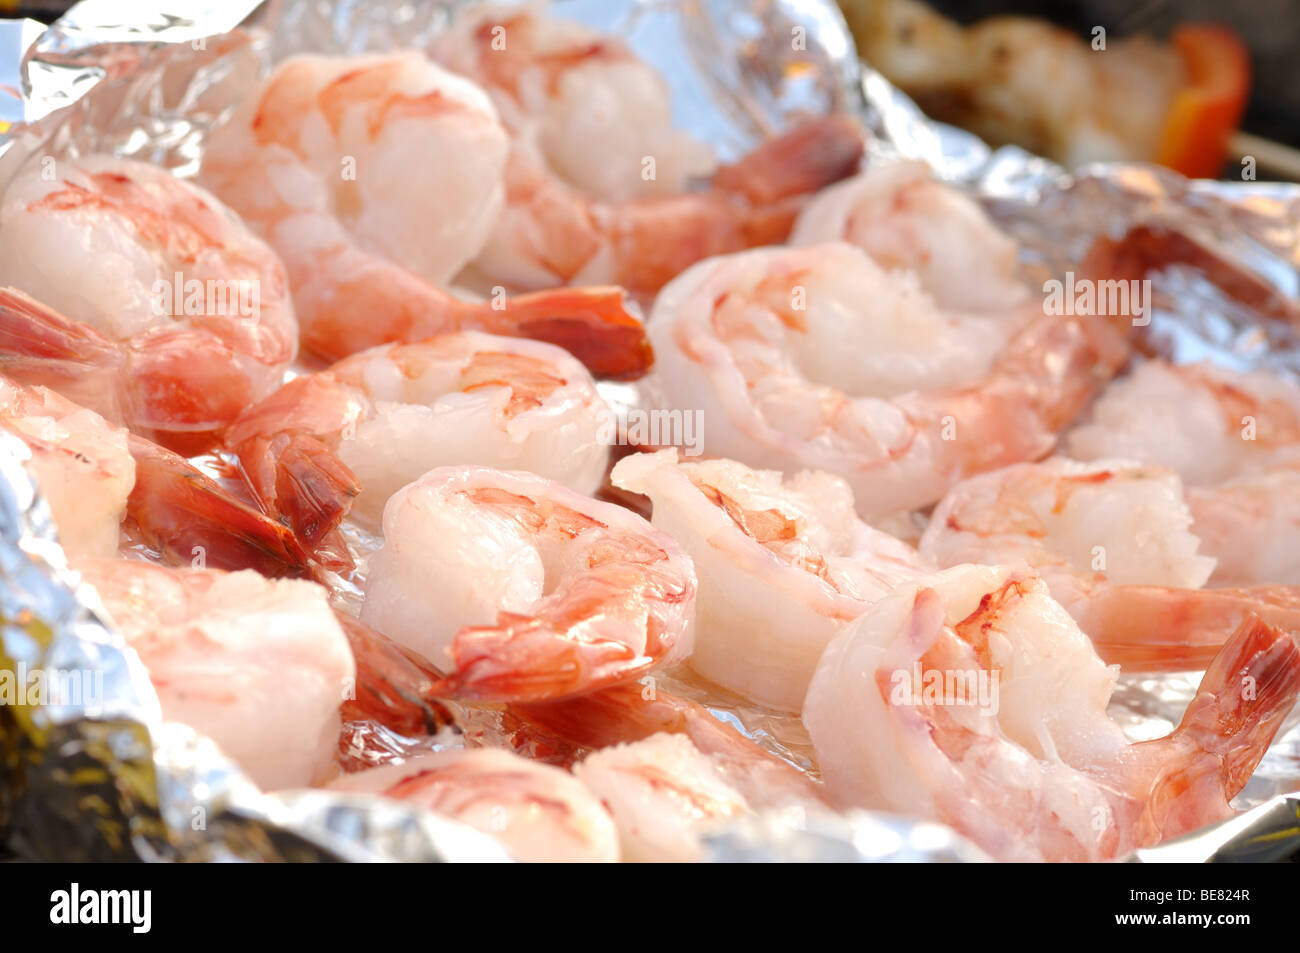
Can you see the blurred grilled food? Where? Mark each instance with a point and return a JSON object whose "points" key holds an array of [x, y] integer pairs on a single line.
{"points": [[1070, 98]]}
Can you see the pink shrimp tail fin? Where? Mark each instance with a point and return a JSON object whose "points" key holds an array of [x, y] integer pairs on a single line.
{"points": [[188, 516], [1145, 249], [595, 325], [808, 157], [301, 482], [40, 346], [284, 447], [1245, 694], [523, 659], [1157, 629], [636, 710], [395, 686]]}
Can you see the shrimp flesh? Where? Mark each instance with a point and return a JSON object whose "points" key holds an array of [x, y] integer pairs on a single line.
{"points": [[1114, 542], [597, 180], [757, 342], [529, 590], [783, 565], [375, 178], [101, 481], [663, 794], [347, 438], [1234, 438], [154, 303], [538, 812], [971, 697], [81, 463], [667, 769], [591, 108], [259, 666], [906, 220]]}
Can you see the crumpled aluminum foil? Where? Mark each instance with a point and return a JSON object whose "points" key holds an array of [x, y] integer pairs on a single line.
{"points": [[121, 784], [858, 837]]}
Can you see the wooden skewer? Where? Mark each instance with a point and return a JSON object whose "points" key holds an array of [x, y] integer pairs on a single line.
{"points": [[1272, 159]]}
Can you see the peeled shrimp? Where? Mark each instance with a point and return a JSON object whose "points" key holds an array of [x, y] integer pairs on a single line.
{"points": [[1075, 524], [259, 666], [667, 769], [906, 220], [597, 179], [1114, 541], [664, 795], [591, 108], [347, 438], [1017, 752], [765, 344], [158, 308], [99, 480], [539, 813], [783, 566], [527, 589], [376, 178], [81, 462], [1234, 439]]}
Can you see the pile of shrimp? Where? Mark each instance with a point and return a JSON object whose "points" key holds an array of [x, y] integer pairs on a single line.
{"points": [[326, 434]]}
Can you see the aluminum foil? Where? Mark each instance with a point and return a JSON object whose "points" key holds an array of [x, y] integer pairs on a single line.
{"points": [[854, 838], [112, 781]]}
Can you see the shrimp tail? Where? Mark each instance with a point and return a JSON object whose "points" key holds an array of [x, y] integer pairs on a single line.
{"points": [[1157, 629], [596, 325], [1148, 248], [1245, 694], [623, 713], [301, 482], [39, 346], [189, 517], [809, 157], [525, 659], [635, 711], [395, 686]]}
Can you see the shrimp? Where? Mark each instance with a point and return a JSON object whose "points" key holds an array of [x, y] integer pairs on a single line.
{"points": [[597, 180], [971, 697], [589, 105], [783, 565], [189, 519], [82, 465], [375, 178], [1075, 524], [663, 794], [1234, 438], [154, 304], [906, 220], [100, 481], [1115, 544], [395, 686], [259, 666], [538, 812], [347, 438], [531, 591], [667, 769], [756, 342]]}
